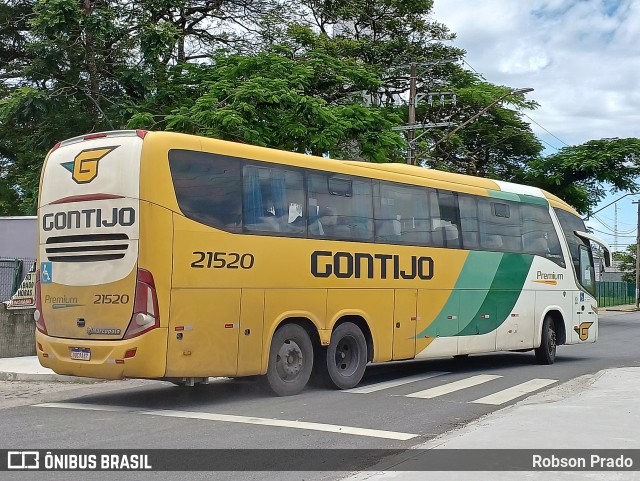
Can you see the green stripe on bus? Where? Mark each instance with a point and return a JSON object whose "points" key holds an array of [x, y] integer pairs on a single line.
{"points": [[502, 296], [523, 198], [532, 199], [498, 194], [475, 278]]}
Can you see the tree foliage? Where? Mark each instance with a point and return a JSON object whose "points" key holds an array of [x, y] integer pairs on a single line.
{"points": [[577, 174], [313, 76], [627, 263]]}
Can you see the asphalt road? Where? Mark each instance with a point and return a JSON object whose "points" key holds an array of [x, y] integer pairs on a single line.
{"points": [[396, 406]]}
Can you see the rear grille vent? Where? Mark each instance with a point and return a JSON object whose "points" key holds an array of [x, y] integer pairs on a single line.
{"points": [[87, 248]]}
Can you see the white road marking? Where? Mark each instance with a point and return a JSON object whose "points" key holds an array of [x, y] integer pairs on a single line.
{"points": [[394, 383], [282, 423], [511, 393], [85, 407], [453, 386]]}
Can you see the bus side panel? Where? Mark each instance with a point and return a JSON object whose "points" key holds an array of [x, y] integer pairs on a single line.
{"points": [[475, 322], [250, 341], [517, 330], [404, 322], [585, 319], [440, 306], [203, 333], [375, 306], [283, 304]]}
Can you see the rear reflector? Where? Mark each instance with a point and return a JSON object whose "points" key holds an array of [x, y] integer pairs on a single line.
{"points": [[37, 314], [145, 315]]}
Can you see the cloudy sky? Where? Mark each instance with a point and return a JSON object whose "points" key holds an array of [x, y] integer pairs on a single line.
{"points": [[582, 57]]}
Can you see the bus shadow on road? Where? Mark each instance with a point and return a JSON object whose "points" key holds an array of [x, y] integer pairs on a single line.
{"points": [[227, 392]]}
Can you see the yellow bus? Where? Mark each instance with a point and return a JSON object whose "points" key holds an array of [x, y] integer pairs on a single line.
{"points": [[176, 257]]}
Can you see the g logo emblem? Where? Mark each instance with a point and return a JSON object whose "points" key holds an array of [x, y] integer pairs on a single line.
{"points": [[84, 167], [583, 330]]}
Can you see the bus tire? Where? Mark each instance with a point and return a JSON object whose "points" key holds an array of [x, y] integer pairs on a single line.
{"points": [[290, 360], [346, 357], [546, 353]]}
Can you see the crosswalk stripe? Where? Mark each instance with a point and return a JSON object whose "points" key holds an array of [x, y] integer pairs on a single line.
{"points": [[393, 383], [514, 392], [453, 386]]}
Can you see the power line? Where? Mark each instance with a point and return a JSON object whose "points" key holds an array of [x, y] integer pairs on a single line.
{"points": [[527, 116], [547, 131]]}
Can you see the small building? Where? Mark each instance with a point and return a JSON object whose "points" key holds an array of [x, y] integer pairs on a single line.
{"points": [[18, 251]]}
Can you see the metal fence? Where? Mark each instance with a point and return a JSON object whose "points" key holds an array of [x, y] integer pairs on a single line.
{"points": [[12, 271], [615, 293]]}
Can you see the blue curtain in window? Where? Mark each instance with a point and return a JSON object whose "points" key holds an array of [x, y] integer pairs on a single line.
{"points": [[253, 208], [279, 193]]}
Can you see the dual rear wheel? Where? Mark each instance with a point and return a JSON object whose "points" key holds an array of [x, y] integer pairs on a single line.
{"points": [[292, 359]]}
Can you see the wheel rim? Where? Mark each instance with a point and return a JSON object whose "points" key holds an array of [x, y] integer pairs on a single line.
{"points": [[347, 356], [289, 360]]}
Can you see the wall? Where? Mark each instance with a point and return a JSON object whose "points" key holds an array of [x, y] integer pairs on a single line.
{"points": [[17, 332], [19, 237]]}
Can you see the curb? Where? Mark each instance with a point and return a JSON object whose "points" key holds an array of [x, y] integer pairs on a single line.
{"points": [[20, 376]]}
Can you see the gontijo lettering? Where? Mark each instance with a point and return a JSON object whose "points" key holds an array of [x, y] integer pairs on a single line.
{"points": [[344, 265], [87, 218]]}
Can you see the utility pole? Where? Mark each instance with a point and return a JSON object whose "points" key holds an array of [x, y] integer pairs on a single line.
{"points": [[638, 258], [414, 98], [411, 133]]}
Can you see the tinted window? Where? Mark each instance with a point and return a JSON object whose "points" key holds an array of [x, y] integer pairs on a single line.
{"points": [[273, 200], [500, 225], [340, 207], [208, 187], [469, 221], [539, 236], [571, 223], [445, 219], [402, 215]]}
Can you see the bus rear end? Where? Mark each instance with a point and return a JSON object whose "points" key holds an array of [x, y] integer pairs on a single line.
{"points": [[97, 312]]}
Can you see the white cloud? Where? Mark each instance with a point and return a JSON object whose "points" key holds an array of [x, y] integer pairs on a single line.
{"points": [[581, 57]]}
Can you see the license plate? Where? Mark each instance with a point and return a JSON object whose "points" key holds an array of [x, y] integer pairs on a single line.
{"points": [[81, 353]]}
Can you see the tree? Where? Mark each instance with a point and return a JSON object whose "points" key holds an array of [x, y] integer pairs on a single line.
{"points": [[627, 263], [578, 174], [270, 99], [498, 144]]}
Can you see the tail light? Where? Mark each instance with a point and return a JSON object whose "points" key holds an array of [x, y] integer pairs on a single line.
{"points": [[38, 316], [145, 310]]}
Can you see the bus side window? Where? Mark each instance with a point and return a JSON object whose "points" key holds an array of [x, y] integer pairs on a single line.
{"points": [[539, 236], [208, 188], [401, 214], [500, 225], [445, 219], [469, 221], [343, 205], [273, 200]]}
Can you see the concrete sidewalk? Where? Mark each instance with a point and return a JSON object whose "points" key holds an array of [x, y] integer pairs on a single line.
{"points": [[597, 411], [28, 368]]}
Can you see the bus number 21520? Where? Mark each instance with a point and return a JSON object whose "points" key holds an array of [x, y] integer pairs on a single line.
{"points": [[222, 260]]}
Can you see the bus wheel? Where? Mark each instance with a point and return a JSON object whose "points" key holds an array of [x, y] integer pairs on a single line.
{"points": [[290, 360], [546, 353], [346, 356]]}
